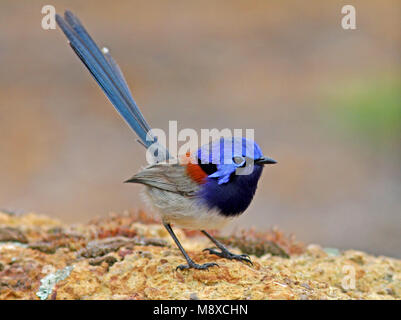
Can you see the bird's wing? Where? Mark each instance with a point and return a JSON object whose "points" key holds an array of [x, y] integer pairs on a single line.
{"points": [[168, 177], [107, 74]]}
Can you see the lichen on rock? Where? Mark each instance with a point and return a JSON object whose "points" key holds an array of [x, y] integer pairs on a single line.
{"points": [[48, 283], [131, 256]]}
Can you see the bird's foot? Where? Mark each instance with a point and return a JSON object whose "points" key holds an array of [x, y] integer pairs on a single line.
{"points": [[228, 255], [193, 265]]}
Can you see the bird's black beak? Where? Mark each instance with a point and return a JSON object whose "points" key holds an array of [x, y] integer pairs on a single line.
{"points": [[265, 160]]}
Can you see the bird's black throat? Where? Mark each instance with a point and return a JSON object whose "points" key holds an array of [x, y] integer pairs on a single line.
{"points": [[231, 198]]}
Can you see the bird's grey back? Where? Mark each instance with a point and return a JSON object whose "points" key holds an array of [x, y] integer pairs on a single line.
{"points": [[167, 177]]}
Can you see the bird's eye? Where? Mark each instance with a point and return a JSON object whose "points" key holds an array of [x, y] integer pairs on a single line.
{"points": [[238, 160]]}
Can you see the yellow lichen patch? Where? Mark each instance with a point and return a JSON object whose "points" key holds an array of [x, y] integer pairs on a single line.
{"points": [[27, 220]]}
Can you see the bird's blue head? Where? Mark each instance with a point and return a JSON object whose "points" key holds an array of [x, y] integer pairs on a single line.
{"points": [[228, 156], [233, 167]]}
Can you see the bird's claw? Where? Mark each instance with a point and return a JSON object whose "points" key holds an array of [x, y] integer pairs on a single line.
{"points": [[193, 265], [228, 255]]}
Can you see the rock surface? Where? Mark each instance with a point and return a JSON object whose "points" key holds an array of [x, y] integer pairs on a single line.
{"points": [[131, 256]]}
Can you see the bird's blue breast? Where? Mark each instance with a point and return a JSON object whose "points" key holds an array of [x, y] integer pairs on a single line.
{"points": [[232, 198]]}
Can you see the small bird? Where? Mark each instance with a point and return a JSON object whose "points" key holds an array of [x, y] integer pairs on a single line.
{"points": [[204, 192]]}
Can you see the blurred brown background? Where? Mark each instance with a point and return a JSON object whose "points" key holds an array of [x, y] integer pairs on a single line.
{"points": [[325, 102]]}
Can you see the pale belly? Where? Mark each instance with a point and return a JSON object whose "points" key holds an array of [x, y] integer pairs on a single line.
{"points": [[183, 211]]}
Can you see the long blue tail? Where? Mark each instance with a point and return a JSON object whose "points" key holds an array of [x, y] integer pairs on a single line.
{"points": [[107, 74]]}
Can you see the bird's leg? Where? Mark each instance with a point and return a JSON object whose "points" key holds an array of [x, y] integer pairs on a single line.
{"points": [[224, 253], [191, 263]]}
